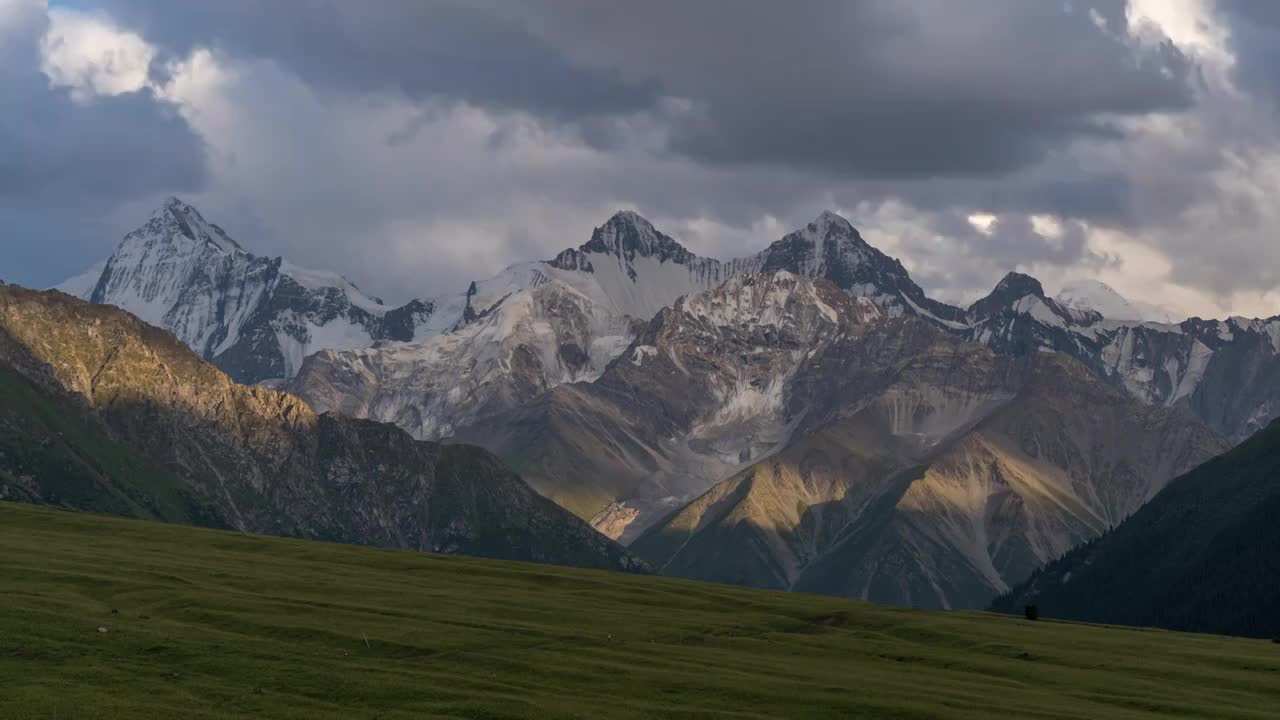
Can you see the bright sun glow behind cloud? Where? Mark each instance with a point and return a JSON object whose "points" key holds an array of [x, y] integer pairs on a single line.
{"points": [[90, 56]]}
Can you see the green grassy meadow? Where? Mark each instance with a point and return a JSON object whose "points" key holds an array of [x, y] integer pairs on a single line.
{"points": [[209, 624]]}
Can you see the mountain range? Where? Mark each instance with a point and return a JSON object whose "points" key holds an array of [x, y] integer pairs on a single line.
{"points": [[804, 418]]}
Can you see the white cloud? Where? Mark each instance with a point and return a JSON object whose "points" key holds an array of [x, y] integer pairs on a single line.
{"points": [[90, 56]]}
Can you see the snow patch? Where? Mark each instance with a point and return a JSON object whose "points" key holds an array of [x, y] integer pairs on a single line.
{"points": [[1039, 311], [321, 280], [925, 313], [641, 352]]}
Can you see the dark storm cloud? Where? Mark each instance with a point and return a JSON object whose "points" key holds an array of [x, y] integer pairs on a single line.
{"points": [[1255, 42], [423, 48], [101, 153], [952, 106], [66, 166], [872, 88], [720, 118], [879, 88]]}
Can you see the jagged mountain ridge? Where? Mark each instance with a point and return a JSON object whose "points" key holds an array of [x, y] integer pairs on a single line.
{"points": [[1223, 371], [104, 412], [526, 344], [260, 319], [624, 275]]}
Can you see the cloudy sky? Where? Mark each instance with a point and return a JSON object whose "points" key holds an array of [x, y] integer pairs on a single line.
{"points": [[416, 144]]}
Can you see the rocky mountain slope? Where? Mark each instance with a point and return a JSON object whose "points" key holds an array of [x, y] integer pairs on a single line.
{"points": [[943, 474], [104, 412], [702, 391], [1204, 555], [531, 328]]}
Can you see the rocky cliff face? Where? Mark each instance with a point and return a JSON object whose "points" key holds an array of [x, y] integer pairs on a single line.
{"points": [[260, 460]]}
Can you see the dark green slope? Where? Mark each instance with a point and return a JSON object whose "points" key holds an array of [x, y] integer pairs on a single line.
{"points": [[99, 411], [52, 453], [1203, 555]]}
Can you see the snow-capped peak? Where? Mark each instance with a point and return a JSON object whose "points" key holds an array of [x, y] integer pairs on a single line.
{"points": [[830, 233], [190, 223], [630, 217], [627, 235], [256, 316], [828, 219], [828, 240], [1102, 298]]}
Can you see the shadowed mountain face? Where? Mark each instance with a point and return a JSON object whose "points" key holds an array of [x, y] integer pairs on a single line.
{"points": [[1204, 555], [103, 412], [935, 481]]}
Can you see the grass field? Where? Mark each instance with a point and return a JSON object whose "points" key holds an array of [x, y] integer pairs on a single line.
{"points": [[207, 624]]}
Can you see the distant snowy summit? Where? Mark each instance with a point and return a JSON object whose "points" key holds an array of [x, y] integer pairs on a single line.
{"points": [[256, 317], [1102, 298]]}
